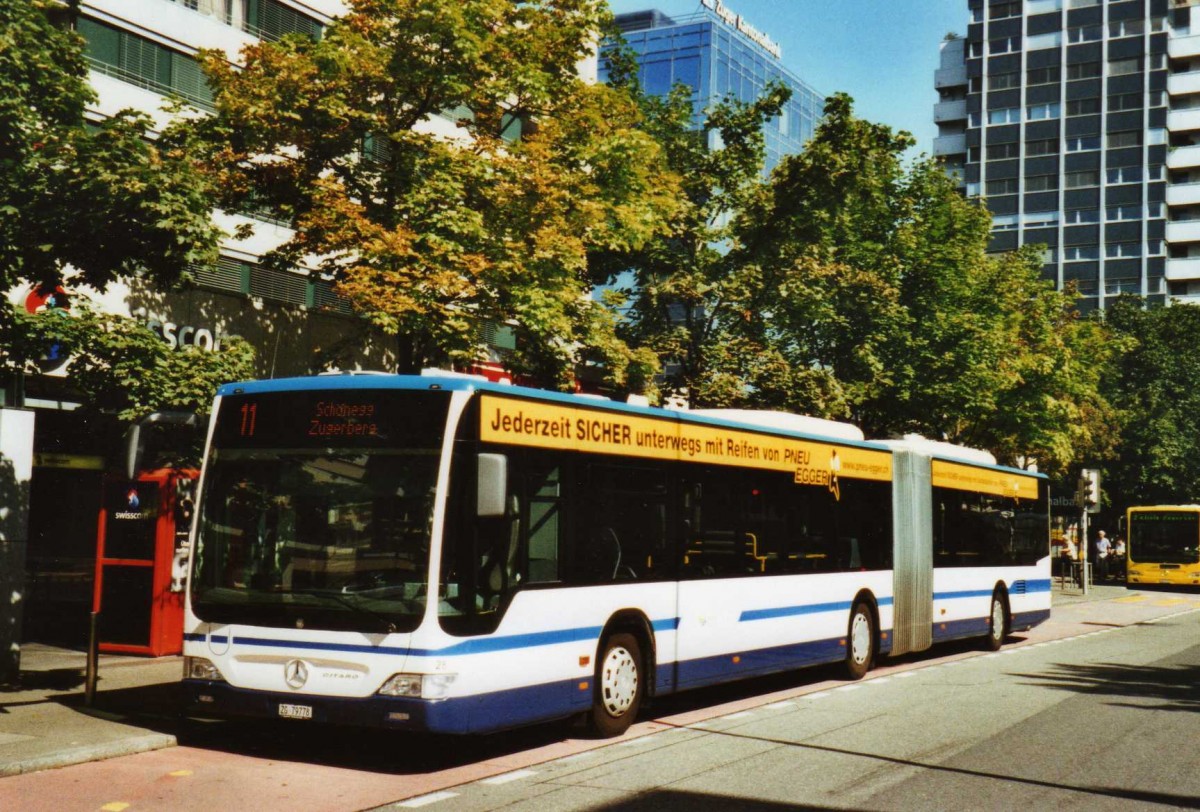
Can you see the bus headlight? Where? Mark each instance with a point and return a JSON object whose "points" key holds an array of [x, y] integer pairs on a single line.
{"points": [[200, 668], [423, 686]]}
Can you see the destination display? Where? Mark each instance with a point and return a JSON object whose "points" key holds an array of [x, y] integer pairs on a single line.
{"points": [[353, 418], [984, 480], [565, 427]]}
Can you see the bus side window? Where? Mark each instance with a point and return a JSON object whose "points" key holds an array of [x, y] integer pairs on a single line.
{"points": [[544, 524], [622, 529]]}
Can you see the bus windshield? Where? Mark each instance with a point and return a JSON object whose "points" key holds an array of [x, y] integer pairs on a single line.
{"points": [[1167, 537], [331, 527]]}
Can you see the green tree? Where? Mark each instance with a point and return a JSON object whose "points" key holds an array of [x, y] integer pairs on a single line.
{"points": [[686, 289], [875, 275], [122, 367], [428, 235], [1156, 386], [101, 200]]}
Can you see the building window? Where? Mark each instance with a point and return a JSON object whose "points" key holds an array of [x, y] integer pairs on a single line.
{"points": [[977, 15], [1040, 219], [1044, 146], [1083, 143], [1158, 61], [1000, 151], [975, 84], [1085, 33], [1128, 138], [144, 63], [1003, 81], [1080, 180], [1073, 253], [973, 189], [1007, 186], [1081, 216], [1051, 39], [975, 119], [1122, 67], [1156, 135], [1004, 45], [975, 49], [272, 20], [1115, 250], [1124, 101], [1039, 112], [1154, 248], [1042, 6], [1158, 98], [1123, 213], [1005, 115], [1083, 107], [972, 155], [1124, 174], [1041, 183], [1155, 172], [1043, 76], [1126, 28], [1005, 222], [1084, 70], [1154, 209], [1082, 3], [1115, 287], [999, 11]]}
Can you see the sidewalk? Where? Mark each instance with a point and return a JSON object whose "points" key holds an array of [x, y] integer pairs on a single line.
{"points": [[45, 723]]}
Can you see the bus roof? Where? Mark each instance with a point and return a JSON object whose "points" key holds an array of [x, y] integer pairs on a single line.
{"points": [[742, 419]]}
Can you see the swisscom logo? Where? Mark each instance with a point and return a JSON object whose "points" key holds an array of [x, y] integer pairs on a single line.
{"points": [[133, 502]]}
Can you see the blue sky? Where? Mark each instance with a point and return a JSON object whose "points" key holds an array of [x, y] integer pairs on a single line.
{"points": [[881, 52]]}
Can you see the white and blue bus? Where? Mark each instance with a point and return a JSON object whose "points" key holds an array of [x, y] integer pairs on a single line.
{"points": [[439, 553]]}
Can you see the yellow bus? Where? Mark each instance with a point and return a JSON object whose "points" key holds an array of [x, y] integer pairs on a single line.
{"points": [[1164, 545]]}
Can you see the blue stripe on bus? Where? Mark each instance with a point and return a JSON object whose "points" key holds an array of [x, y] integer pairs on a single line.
{"points": [[478, 645], [805, 609]]}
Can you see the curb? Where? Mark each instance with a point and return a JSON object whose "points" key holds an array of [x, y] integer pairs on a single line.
{"points": [[91, 752]]}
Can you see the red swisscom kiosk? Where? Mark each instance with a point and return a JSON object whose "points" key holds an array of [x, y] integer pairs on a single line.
{"points": [[141, 552]]}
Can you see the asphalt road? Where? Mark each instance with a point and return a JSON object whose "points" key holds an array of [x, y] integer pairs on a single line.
{"points": [[1095, 709]]}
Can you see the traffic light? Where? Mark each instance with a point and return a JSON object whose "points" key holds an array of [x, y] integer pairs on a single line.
{"points": [[1089, 489]]}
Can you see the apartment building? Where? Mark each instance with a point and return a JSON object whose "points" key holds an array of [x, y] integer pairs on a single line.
{"points": [[1078, 121]]}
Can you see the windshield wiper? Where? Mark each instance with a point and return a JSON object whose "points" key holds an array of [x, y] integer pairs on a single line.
{"points": [[337, 597]]}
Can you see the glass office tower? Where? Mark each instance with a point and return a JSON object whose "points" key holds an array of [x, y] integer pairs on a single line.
{"points": [[718, 54]]}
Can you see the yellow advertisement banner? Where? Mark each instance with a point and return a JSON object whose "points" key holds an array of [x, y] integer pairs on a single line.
{"points": [[970, 478], [560, 426]]}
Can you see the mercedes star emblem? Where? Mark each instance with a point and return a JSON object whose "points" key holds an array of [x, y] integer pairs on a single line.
{"points": [[295, 673]]}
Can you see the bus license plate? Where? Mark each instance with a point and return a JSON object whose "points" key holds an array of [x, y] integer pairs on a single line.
{"points": [[295, 711]]}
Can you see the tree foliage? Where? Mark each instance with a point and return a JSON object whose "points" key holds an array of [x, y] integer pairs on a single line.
{"points": [[123, 367], [427, 235], [102, 199], [1156, 387]]}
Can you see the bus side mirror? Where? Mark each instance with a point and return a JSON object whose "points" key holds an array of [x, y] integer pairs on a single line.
{"points": [[491, 485]]}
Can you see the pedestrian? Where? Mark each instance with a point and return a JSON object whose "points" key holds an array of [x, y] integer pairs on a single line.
{"points": [[1103, 548]]}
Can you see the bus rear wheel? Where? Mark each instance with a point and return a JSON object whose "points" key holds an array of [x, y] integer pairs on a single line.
{"points": [[619, 686], [860, 641], [997, 622]]}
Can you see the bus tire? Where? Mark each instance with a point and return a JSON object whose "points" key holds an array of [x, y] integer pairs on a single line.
{"points": [[620, 685], [997, 622], [860, 641]]}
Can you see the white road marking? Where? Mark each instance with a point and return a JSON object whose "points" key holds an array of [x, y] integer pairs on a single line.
{"points": [[517, 775], [425, 800]]}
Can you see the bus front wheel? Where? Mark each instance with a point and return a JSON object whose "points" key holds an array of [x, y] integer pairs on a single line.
{"points": [[619, 686], [997, 622], [860, 641]]}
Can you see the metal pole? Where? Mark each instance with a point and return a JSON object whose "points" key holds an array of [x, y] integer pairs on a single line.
{"points": [[93, 656], [1083, 552]]}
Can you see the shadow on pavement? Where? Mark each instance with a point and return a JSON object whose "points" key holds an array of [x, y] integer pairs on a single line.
{"points": [[1153, 687]]}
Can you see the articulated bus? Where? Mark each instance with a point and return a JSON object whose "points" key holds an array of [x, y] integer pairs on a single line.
{"points": [[439, 553], [1164, 545]]}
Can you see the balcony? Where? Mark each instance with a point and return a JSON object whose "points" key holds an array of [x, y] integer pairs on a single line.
{"points": [[1182, 84], [1180, 231], [1183, 157], [944, 145], [1183, 269], [950, 77], [1181, 121], [1183, 47], [957, 111], [1183, 194]]}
